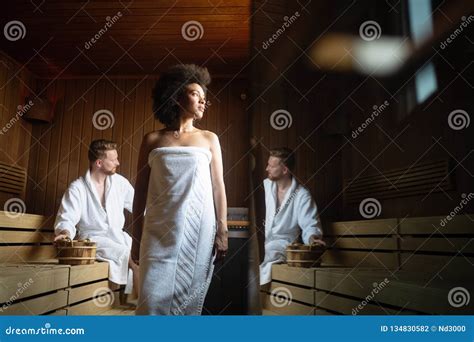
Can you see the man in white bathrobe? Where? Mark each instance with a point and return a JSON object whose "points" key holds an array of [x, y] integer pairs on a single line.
{"points": [[93, 207], [290, 211]]}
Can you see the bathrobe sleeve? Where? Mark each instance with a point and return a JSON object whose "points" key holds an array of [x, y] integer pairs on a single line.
{"points": [[129, 193], [308, 218], [69, 213]]}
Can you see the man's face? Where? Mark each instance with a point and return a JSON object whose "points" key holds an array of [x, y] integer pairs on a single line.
{"points": [[109, 163], [276, 170]]}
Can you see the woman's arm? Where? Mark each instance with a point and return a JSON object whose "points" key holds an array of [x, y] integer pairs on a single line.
{"points": [[220, 199], [141, 191]]}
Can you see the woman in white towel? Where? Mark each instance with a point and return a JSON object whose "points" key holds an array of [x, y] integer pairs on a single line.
{"points": [[180, 205]]}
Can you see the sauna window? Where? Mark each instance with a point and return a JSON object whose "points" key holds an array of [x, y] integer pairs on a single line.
{"points": [[419, 27]]}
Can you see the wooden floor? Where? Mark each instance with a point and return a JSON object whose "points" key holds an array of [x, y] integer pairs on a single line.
{"points": [[123, 310]]}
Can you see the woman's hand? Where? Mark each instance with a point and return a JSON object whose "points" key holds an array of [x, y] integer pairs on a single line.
{"points": [[220, 244], [135, 253]]}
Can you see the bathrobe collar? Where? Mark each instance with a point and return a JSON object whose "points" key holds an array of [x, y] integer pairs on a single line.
{"points": [[289, 192], [108, 184]]}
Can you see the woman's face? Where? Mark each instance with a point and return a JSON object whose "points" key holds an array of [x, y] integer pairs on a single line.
{"points": [[193, 102]]}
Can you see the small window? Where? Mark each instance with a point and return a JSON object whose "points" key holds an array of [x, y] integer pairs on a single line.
{"points": [[420, 28], [420, 14]]}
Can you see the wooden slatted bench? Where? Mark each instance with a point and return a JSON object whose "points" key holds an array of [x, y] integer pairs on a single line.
{"points": [[31, 280], [378, 267]]}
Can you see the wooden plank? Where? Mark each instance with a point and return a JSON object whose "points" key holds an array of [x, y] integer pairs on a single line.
{"points": [[300, 294], [76, 109], [24, 254], [349, 306], [49, 168], [87, 273], [60, 312], [238, 223], [403, 171], [399, 177], [78, 294], [406, 185], [9, 236], [137, 123], [87, 123], [40, 156], [266, 312], [460, 224], [415, 295], [437, 244], [321, 312], [37, 306], [120, 311], [11, 189], [162, 6], [26, 221], [65, 150], [21, 282], [93, 306], [380, 243], [347, 258], [293, 275], [446, 185], [363, 227], [444, 266], [287, 308]]}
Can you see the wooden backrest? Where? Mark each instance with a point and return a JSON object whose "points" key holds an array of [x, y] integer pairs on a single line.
{"points": [[25, 238], [409, 181], [435, 246], [438, 246], [12, 179], [368, 243]]}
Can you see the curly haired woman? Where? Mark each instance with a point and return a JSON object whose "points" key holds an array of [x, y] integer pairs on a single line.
{"points": [[180, 205]]}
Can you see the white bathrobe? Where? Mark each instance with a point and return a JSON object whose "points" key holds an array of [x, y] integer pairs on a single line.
{"points": [[81, 211], [176, 261], [297, 215]]}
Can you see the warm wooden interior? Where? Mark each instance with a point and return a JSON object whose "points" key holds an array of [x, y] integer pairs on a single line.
{"points": [[148, 31], [409, 158], [59, 154]]}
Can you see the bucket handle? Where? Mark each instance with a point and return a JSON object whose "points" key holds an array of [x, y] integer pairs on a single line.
{"points": [[71, 241]]}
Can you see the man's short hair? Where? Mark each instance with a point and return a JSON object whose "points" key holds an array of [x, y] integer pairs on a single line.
{"points": [[286, 156], [98, 149]]}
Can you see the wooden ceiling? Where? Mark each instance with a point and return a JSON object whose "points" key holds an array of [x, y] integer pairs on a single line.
{"points": [[139, 37]]}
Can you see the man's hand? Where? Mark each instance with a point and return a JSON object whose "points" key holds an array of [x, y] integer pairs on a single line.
{"points": [[314, 240], [220, 244], [61, 236]]}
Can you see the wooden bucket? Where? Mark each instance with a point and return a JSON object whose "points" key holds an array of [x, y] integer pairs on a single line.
{"points": [[76, 252], [299, 255]]}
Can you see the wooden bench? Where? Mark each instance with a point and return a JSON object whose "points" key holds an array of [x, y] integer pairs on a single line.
{"points": [[378, 267], [33, 283]]}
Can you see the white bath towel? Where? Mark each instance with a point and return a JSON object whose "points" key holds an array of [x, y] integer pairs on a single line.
{"points": [[176, 262]]}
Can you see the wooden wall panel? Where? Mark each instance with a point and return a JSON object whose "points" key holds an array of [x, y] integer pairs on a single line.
{"points": [[15, 133], [61, 154]]}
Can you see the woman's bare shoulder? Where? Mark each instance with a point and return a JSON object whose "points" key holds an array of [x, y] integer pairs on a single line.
{"points": [[152, 139], [211, 136]]}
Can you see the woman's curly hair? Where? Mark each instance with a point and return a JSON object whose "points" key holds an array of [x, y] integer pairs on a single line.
{"points": [[171, 86]]}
